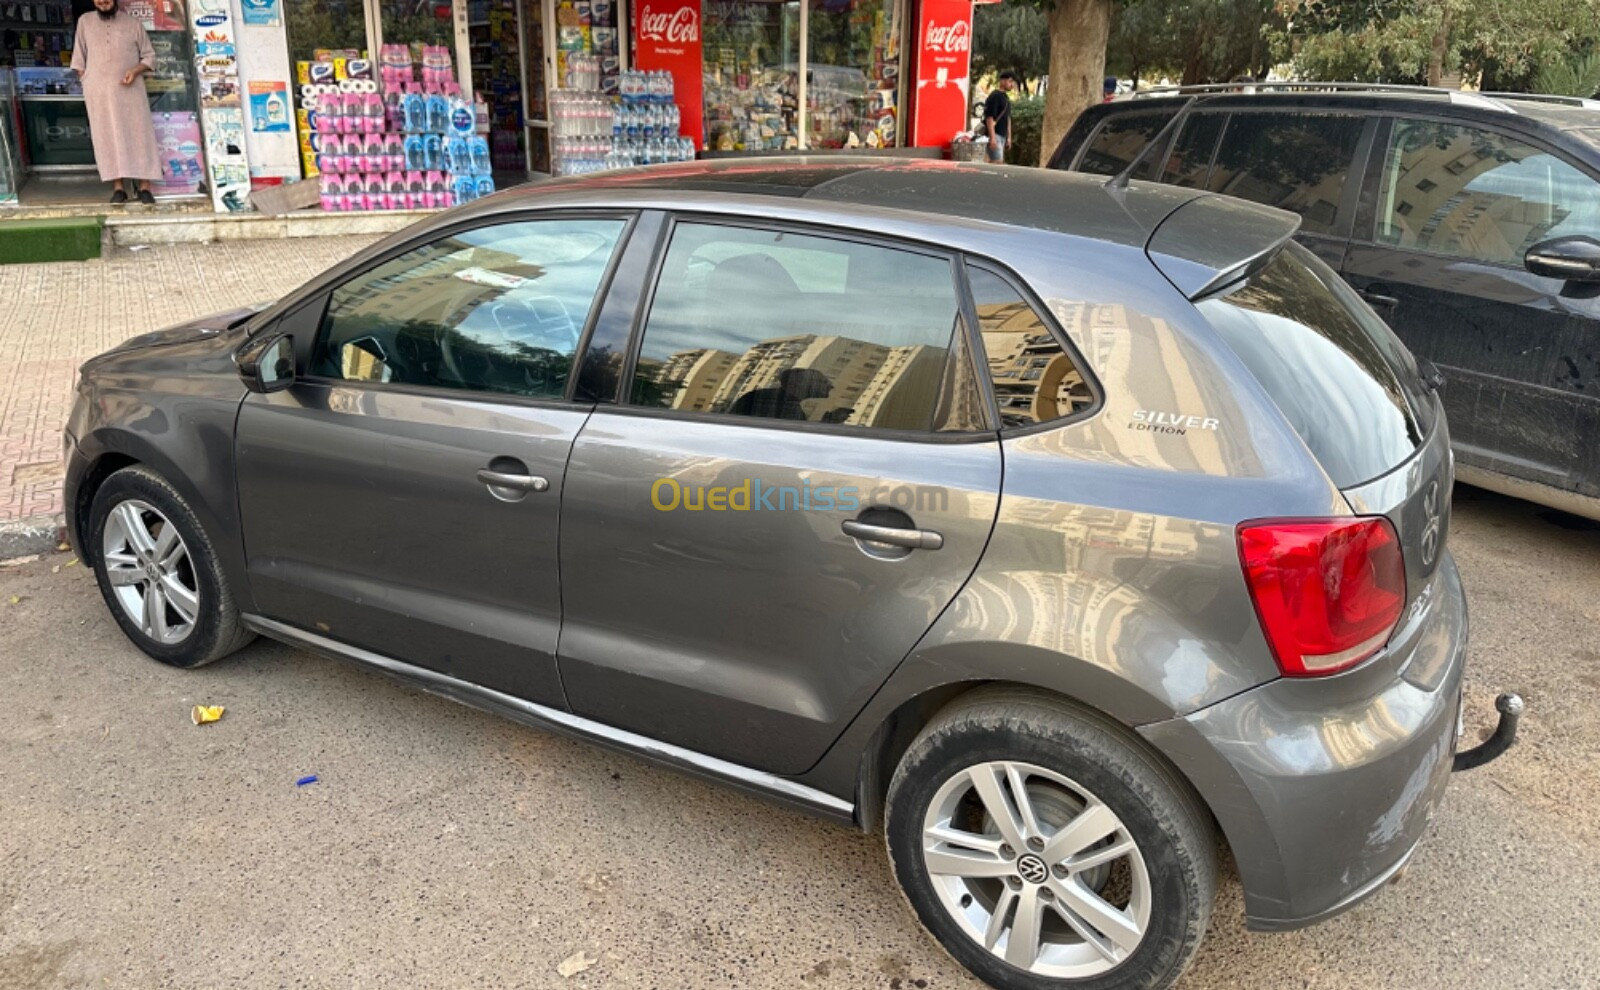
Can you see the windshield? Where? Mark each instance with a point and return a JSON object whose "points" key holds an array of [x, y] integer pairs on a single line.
{"points": [[1341, 378]]}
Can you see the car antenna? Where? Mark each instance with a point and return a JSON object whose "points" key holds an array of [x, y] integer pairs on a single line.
{"points": [[1120, 180]]}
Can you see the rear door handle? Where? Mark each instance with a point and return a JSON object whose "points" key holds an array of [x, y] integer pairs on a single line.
{"points": [[915, 539], [1378, 299], [516, 482]]}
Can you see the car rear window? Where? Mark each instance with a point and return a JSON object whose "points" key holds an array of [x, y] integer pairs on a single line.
{"points": [[1118, 142], [1336, 371]]}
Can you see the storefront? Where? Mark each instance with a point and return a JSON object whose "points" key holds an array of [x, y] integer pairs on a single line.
{"points": [[467, 95], [45, 129]]}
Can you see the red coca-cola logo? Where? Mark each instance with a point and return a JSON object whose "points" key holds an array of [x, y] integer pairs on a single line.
{"points": [[949, 38], [679, 27]]}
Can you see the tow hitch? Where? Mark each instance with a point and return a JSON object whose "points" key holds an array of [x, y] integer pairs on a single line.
{"points": [[1510, 708]]}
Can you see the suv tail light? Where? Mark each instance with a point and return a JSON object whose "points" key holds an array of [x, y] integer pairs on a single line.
{"points": [[1328, 591]]}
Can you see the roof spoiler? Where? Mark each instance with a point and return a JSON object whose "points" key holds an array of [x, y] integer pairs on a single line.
{"points": [[1212, 242]]}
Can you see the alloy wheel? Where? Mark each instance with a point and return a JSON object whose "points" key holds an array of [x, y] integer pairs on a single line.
{"points": [[1036, 869], [150, 572]]}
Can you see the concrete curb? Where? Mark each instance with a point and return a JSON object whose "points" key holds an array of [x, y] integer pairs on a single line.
{"points": [[41, 534]]}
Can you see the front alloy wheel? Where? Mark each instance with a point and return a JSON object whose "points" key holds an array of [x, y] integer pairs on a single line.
{"points": [[1036, 869], [158, 571], [150, 571]]}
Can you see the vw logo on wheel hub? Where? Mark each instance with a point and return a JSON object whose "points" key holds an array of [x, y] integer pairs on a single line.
{"points": [[1032, 869]]}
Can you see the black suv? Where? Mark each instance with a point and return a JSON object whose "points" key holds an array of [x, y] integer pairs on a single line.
{"points": [[1469, 221]]}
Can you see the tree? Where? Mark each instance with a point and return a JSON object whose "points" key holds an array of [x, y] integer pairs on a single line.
{"points": [[1504, 41], [1578, 76], [1079, 30], [1010, 35], [1196, 41]]}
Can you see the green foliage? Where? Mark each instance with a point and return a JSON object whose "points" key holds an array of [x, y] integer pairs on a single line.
{"points": [[1027, 124], [1577, 76], [1195, 41], [1504, 41], [1011, 35]]}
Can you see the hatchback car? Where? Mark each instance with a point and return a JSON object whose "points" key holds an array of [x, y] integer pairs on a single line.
{"points": [[1066, 533], [1470, 222]]}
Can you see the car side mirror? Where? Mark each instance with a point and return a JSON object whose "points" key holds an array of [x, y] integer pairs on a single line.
{"points": [[1572, 259], [267, 365]]}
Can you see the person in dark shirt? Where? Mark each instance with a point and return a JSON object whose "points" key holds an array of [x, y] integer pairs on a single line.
{"points": [[997, 116]]}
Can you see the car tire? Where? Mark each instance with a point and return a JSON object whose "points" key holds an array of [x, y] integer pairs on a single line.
{"points": [[144, 538], [1136, 917]]}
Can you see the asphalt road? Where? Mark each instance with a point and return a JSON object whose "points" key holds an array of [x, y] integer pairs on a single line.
{"points": [[443, 847]]}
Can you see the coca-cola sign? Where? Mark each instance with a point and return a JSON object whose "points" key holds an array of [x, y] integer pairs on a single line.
{"points": [[949, 38], [678, 27], [667, 36], [944, 66]]}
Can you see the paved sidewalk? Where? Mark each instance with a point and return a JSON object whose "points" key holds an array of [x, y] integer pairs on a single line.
{"points": [[53, 317]]}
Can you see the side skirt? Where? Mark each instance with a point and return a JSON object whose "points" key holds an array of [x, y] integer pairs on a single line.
{"points": [[757, 782]]}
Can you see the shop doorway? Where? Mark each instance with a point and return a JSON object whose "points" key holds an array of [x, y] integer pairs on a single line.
{"points": [[494, 38]]}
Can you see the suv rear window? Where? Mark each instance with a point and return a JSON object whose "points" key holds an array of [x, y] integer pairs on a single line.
{"points": [[1119, 140], [1339, 375]]}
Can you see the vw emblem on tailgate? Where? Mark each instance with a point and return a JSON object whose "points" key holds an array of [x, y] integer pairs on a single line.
{"points": [[1430, 524]]}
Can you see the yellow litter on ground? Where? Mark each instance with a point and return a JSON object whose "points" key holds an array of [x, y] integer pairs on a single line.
{"points": [[206, 713]]}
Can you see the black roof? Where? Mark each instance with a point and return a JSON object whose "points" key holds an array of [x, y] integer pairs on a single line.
{"points": [[1578, 123], [1041, 199]]}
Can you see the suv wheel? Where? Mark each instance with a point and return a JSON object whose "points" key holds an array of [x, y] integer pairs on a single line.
{"points": [[158, 574], [1045, 849]]}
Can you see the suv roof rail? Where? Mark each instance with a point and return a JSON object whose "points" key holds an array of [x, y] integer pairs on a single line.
{"points": [[1487, 100], [1565, 101]]}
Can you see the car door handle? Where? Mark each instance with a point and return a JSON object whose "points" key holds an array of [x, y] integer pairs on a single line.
{"points": [[517, 482], [915, 539], [1379, 300]]}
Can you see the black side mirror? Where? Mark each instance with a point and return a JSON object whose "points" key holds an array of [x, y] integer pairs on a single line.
{"points": [[267, 363], [1572, 259]]}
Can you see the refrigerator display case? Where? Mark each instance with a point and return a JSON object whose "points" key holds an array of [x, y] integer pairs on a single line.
{"points": [[10, 139], [175, 110], [55, 123]]}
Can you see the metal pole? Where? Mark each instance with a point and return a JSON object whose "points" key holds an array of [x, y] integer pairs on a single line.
{"points": [[463, 49], [804, 130]]}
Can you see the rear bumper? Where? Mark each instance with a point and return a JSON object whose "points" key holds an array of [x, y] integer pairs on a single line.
{"points": [[1324, 787]]}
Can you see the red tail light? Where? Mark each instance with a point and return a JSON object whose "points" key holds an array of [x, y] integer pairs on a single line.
{"points": [[1328, 591]]}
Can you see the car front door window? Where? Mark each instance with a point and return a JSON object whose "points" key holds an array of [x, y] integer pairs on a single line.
{"points": [[496, 309], [1471, 193]]}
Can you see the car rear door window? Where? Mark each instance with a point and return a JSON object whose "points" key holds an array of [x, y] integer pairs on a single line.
{"points": [[1294, 161], [1119, 141], [1035, 379], [1471, 193], [781, 325], [496, 309]]}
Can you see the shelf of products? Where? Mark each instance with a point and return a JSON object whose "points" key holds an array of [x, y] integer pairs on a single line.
{"points": [[497, 79], [853, 73], [751, 83], [36, 32]]}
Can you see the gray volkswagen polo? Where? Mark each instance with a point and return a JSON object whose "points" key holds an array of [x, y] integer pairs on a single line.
{"points": [[1070, 533]]}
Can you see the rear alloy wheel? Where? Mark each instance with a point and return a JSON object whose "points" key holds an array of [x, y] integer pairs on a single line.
{"points": [[1046, 848], [1037, 869], [158, 573], [150, 571]]}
